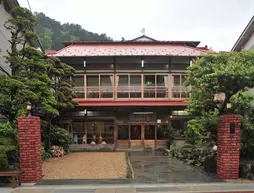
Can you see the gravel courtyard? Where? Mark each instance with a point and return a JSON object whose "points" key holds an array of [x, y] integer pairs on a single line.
{"points": [[86, 165]]}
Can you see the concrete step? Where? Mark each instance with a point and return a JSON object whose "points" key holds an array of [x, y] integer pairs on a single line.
{"points": [[143, 188]]}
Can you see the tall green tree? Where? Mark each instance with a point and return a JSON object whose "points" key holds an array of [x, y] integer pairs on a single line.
{"points": [[228, 74], [34, 77], [223, 73], [13, 92]]}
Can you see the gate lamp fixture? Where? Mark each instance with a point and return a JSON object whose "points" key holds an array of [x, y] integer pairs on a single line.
{"points": [[229, 105], [28, 108]]}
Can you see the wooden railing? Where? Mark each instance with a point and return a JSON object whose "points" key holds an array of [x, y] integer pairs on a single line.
{"points": [[132, 92]]}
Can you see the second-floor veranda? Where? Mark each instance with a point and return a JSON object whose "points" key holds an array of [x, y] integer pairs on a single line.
{"points": [[119, 78]]}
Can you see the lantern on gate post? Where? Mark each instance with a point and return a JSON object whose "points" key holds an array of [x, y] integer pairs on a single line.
{"points": [[29, 108], [229, 107]]}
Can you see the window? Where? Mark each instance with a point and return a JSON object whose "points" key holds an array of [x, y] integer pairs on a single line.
{"points": [[135, 86], [92, 83], [122, 83], [106, 86], [149, 86], [92, 80], [135, 132], [128, 86], [99, 86], [162, 86], [78, 130], [178, 88], [108, 134], [156, 86], [97, 129], [150, 132], [179, 126], [123, 132], [78, 82], [162, 131]]}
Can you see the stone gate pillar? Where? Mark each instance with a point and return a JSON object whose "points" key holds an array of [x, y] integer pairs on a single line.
{"points": [[29, 137], [228, 142]]}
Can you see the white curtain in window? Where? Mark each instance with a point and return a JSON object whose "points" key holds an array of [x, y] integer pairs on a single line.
{"points": [[166, 81], [112, 80]]}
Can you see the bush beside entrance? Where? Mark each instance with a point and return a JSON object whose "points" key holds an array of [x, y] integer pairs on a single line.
{"points": [[8, 147]]}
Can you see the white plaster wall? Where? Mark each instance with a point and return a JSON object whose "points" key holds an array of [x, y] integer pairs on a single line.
{"points": [[4, 37], [249, 44]]}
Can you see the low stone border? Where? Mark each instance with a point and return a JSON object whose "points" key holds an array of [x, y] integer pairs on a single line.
{"points": [[129, 167]]}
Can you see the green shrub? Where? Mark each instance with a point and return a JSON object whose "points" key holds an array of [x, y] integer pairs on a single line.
{"points": [[7, 131], [171, 152], [61, 137], [193, 132], [129, 173], [45, 154], [8, 147], [3, 160]]}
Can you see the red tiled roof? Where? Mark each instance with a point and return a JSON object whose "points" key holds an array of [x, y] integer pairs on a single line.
{"points": [[128, 50], [50, 52]]}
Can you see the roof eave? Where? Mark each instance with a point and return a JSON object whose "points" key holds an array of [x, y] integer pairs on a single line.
{"points": [[247, 32], [188, 43]]}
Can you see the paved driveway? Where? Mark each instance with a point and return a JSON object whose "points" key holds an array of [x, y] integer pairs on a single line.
{"points": [[153, 167], [149, 168]]}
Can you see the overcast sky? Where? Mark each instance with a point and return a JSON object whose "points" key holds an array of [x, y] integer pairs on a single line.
{"points": [[216, 23]]}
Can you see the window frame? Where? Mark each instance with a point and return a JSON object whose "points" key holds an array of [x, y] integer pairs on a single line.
{"points": [[99, 85]]}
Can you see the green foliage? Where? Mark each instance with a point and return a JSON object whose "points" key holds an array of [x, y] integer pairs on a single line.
{"points": [[171, 152], [61, 137], [52, 33], [215, 74], [194, 154], [227, 74], [34, 77], [6, 129], [129, 173], [45, 154], [8, 146], [3, 160], [191, 161]]}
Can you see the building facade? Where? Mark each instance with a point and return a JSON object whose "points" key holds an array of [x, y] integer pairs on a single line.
{"points": [[130, 94], [5, 35], [246, 39], [5, 14]]}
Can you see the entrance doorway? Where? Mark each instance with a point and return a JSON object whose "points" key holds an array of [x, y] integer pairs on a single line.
{"points": [[137, 135]]}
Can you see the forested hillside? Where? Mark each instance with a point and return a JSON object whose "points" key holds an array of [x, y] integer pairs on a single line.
{"points": [[52, 33]]}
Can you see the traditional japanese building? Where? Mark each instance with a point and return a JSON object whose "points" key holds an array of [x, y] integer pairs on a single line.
{"points": [[129, 93]]}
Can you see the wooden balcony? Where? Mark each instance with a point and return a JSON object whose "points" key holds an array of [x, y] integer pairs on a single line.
{"points": [[135, 96]]}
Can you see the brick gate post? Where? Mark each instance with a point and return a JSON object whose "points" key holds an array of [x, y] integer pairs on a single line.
{"points": [[29, 137], [228, 153]]}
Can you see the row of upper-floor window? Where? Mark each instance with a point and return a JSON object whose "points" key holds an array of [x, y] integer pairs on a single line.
{"points": [[130, 86], [129, 63]]}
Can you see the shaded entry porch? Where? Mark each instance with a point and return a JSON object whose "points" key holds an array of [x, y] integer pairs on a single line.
{"points": [[126, 127]]}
